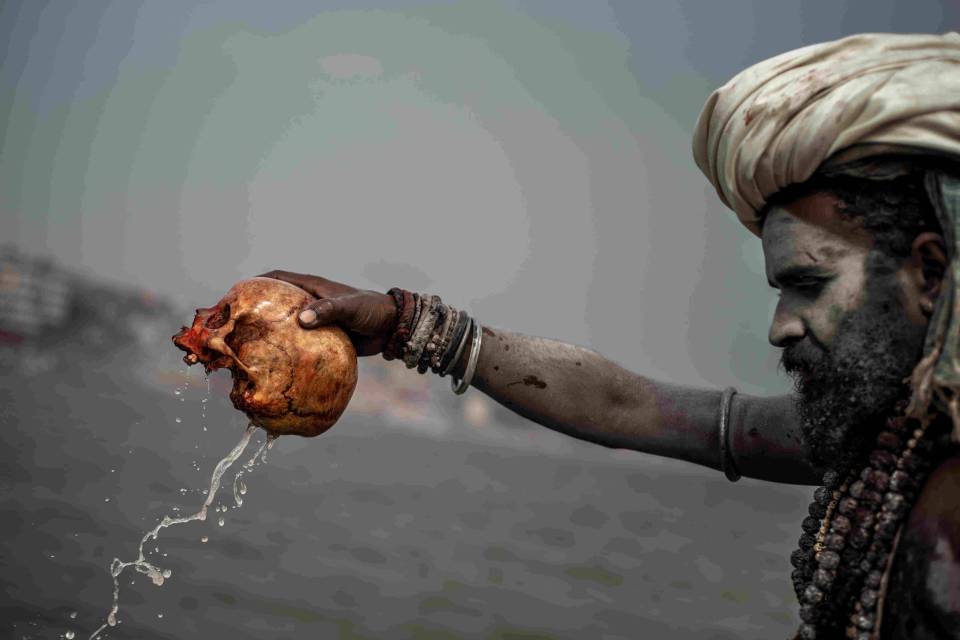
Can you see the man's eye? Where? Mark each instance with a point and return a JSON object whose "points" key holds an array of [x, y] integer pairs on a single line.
{"points": [[807, 285]]}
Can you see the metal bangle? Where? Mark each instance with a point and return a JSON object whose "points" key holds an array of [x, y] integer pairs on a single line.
{"points": [[460, 387], [727, 464], [460, 339]]}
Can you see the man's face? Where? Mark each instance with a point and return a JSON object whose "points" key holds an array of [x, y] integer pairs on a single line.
{"points": [[847, 338]]}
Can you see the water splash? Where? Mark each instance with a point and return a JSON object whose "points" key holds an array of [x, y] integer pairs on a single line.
{"points": [[258, 458], [156, 574]]}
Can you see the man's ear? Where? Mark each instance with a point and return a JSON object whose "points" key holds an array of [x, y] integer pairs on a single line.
{"points": [[929, 255]]}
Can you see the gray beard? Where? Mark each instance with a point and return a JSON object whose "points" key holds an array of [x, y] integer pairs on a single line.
{"points": [[845, 394]]}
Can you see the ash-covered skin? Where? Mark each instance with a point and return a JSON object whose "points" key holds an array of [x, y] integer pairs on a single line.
{"points": [[849, 335], [846, 392]]}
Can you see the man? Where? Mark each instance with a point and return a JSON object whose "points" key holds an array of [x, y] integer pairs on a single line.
{"points": [[843, 158]]}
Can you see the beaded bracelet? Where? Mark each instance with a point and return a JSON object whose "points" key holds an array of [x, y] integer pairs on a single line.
{"points": [[443, 311], [428, 317], [442, 339], [404, 301], [420, 303], [417, 309], [432, 335]]}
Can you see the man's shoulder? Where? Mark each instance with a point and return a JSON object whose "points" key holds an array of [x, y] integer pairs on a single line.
{"points": [[927, 569], [938, 504], [935, 518]]}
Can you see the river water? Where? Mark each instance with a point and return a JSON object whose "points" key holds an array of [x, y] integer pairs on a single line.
{"points": [[373, 530]]}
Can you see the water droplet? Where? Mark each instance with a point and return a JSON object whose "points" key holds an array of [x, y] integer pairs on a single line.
{"points": [[68, 635], [106, 499], [177, 392], [179, 420], [159, 615], [220, 521], [166, 572], [204, 539], [73, 615], [204, 427]]}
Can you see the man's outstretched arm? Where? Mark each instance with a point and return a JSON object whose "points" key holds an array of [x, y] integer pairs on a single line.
{"points": [[580, 393]]}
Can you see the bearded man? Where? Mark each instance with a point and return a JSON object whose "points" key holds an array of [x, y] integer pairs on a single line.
{"points": [[844, 158]]}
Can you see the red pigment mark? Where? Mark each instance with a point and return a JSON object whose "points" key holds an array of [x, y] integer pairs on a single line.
{"points": [[488, 332], [534, 381], [529, 381]]}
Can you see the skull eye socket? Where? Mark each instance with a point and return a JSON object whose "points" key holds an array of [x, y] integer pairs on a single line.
{"points": [[219, 318], [244, 332]]}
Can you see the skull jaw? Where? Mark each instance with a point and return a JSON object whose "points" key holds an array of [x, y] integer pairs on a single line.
{"points": [[194, 340]]}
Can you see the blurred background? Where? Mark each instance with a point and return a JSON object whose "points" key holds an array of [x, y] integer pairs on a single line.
{"points": [[528, 161]]}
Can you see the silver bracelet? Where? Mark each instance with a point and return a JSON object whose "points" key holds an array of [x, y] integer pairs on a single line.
{"points": [[460, 387], [462, 341], [727, 464]]}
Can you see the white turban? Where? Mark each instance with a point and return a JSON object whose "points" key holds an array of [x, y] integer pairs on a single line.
{"points": [[775, 123]]}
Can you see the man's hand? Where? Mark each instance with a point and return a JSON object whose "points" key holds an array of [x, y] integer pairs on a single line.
{"points": [[368, 317]]}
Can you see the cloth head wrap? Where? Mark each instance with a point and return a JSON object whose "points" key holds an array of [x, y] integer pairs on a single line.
{"points": [[875, 106]]}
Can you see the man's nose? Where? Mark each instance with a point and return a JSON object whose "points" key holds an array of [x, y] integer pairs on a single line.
{"points": [[786, 327]]}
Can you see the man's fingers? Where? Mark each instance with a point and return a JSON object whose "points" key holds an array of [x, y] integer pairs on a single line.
{"points": [[342, 310], [319, 287], [319, 313], [355, 312]]}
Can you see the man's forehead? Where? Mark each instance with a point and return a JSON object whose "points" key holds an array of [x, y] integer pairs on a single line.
{"points": [[811, 230]]}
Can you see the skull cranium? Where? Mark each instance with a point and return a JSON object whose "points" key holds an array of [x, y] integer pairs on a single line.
{"points": [[286, 379]]}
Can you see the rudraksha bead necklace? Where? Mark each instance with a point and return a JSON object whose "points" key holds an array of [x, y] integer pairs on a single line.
{"points": [[849, 536]]}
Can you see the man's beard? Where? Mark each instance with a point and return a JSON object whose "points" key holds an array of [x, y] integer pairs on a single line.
{"points": [[846, 393]]}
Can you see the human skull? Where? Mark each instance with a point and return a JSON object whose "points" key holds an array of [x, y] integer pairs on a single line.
{"points": [[287, 380]]}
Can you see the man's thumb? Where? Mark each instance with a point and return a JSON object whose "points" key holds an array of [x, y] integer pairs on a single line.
{"points": [[318, 313]]}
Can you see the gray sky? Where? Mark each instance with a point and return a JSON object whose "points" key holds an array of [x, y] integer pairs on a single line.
{"points": [[527, 160]]}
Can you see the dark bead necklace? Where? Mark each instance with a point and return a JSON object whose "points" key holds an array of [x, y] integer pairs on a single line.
{"points": [[851, 532]]}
